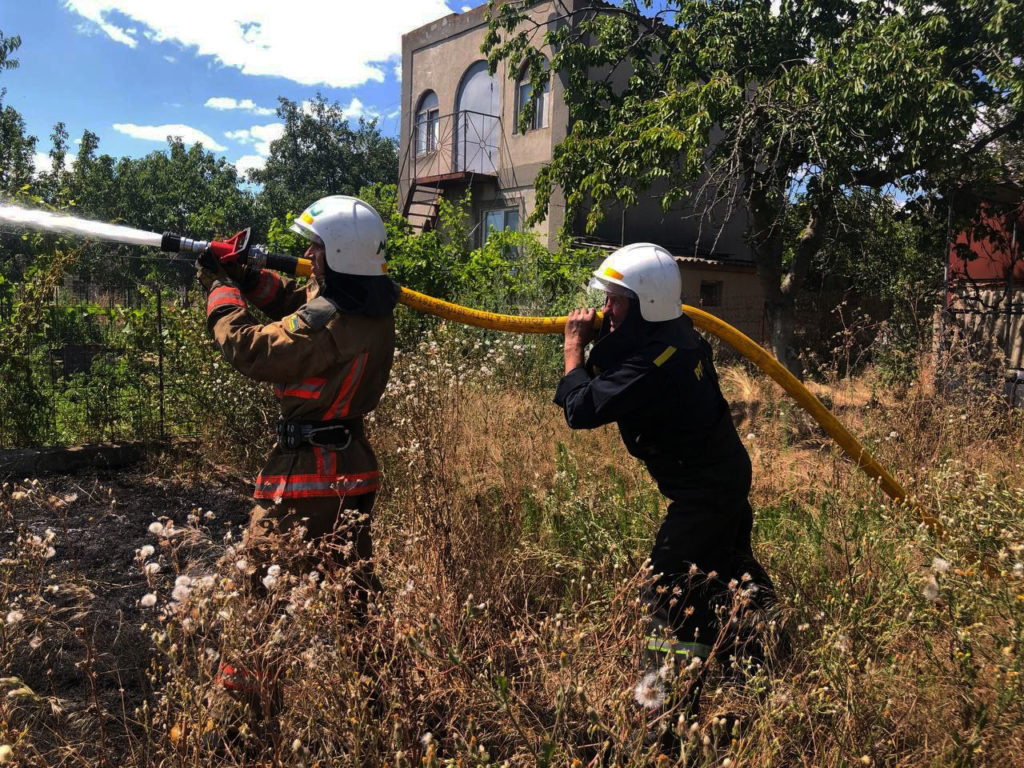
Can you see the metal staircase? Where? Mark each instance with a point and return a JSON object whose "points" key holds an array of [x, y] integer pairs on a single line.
{"points": [[422, 205]]}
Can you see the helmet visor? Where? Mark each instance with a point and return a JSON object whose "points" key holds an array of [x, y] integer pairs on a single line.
{"points": [[599, 284]]}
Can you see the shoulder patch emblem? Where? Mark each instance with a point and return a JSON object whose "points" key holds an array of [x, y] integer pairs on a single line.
{"points": [[291, 322], [699, 370], [317, 312]]}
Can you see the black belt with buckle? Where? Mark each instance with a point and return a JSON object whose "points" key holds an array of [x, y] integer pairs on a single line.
{"points": [[335, 434]]}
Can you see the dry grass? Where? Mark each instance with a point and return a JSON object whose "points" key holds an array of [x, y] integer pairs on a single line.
{"points": [[511, 552]]}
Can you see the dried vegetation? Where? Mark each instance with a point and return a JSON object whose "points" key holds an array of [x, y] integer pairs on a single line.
{"points": [[512, 550]]}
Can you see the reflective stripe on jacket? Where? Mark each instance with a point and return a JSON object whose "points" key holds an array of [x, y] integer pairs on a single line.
{"points": [[323, 365]]}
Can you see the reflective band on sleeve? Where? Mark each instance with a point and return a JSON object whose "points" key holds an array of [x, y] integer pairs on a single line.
{"points": [[660, 359], [224, 296], [309, 389], [308, 486], [339, 408], [266, 290], [661, 645]]}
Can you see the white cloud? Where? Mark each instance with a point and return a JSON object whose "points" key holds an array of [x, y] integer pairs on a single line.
{"points": [[259, 136], [170, 60], [43, 163], [339, 44], [355, 110], [226, 102], [186, 133], [246, 163], [398, 71]]}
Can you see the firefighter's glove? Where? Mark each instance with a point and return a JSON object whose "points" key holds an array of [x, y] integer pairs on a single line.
{"points": [[245, 276], [210, 273]]}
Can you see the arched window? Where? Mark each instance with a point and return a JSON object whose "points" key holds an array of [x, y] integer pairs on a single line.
{"points": [[427, 123], [540, 117]]}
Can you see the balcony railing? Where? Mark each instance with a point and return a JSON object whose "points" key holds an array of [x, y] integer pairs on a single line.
{"points": [[452, 146]]}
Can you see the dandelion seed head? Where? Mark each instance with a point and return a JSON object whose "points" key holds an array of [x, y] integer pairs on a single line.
{"points": [[426, 738], [274, 570], [649, 692], [151, 568], [183, 581], [180, 593], [13, 617], [35, 642], [156, 528], [148, 600], [145, 551], [270, 582], [939, 565], [50, 552], [6, 753], [242, 564]]}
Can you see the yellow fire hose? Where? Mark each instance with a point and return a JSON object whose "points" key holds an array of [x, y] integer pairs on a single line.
{"points": [[706, 322]]}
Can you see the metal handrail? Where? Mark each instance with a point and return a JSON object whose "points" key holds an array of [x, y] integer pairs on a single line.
{"points": [[465, 141]]}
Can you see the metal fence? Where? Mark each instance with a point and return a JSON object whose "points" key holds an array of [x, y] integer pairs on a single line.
{"points": [[95, 367]]}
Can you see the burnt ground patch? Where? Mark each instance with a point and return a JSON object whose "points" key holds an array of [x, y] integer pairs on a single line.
{"points": [[75, 644]]}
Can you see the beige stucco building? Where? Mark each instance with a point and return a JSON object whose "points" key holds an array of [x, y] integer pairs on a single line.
{"points": [[459, 133]]}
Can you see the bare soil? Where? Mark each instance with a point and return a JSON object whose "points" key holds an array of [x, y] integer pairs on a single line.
{"points": [[84, 644]]}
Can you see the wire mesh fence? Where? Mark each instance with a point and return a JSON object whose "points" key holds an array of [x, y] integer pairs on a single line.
{"points": [[90, 363]]}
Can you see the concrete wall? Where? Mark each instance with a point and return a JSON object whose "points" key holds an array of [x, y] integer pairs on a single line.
{"points": [[435, 57], [742, 296]]}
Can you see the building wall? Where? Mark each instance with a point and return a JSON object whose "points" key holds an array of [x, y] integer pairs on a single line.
{"points": [[741, 293], [435, 57]]}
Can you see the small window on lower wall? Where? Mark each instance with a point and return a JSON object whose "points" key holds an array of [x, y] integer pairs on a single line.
{"points": [[499, 220], [711, 293]]}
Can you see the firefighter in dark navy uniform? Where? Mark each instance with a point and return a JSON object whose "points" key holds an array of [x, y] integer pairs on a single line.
{"points": [[328, 353], [652, 374]]}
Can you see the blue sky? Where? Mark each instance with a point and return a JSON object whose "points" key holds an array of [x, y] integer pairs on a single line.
{"points": [[133, 71]]}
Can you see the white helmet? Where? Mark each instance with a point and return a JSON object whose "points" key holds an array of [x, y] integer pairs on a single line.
{"points": [[650, 272], [352, 233]]}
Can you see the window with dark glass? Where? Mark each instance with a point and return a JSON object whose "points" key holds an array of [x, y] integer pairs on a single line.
{"points": [[500, 220], [711, 293], [427, 119], [525, 91]]}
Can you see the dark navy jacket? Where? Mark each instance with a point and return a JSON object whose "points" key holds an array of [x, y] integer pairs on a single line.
{"points": [[658, 382]]}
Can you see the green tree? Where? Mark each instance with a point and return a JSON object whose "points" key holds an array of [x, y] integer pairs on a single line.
{"points": [[730, 102], [8, 45], [321, 154], [16, 147], [16, 150]]}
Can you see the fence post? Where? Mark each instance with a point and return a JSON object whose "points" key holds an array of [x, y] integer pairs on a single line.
{"points": [[160, 355]]}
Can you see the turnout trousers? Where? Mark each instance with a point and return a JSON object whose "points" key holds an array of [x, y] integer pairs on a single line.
{"points": [[339, 529], [702, 545]]}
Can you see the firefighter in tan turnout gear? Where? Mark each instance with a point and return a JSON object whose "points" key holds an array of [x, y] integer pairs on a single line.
{"points": [[328, 353]]}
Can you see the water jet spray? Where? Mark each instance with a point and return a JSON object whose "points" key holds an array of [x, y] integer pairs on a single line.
{"points": [[237, 249]]}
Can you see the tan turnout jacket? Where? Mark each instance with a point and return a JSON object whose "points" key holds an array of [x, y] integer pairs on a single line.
{"points": [[323, 365]]}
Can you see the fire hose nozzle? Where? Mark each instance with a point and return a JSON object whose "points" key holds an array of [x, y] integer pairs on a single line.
{"points": [[171, 243], [237, 250]]}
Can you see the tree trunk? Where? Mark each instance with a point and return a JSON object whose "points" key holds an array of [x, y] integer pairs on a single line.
{"points": [[780, 288]]}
